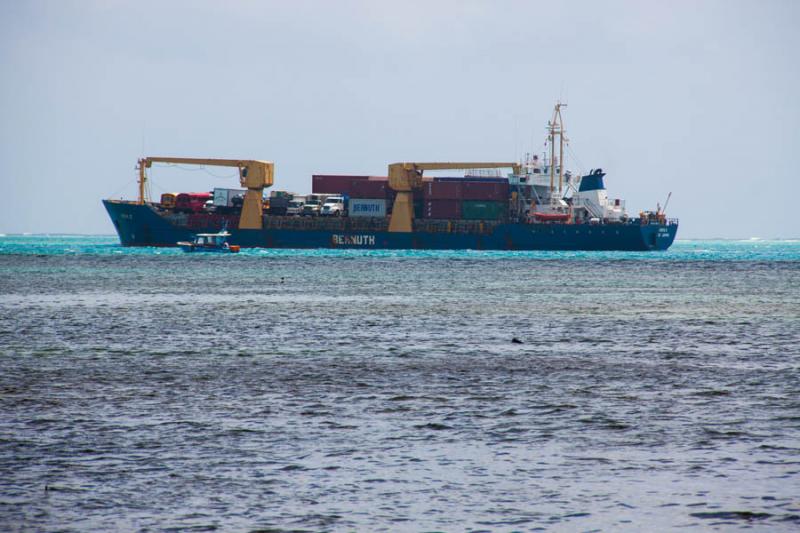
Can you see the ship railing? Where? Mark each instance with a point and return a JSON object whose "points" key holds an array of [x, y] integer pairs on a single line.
{"points": [[326, 223], [652, 220], [485, 227]]}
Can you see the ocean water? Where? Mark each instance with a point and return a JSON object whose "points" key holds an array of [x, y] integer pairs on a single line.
{"points": [[147, 389]]}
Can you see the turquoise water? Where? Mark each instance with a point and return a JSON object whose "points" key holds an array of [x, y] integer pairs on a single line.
{"points": [[327, 390], [681, 250]]}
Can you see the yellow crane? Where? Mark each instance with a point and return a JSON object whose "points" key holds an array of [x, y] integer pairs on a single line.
{"points": [[405, 177], [253, 175]]}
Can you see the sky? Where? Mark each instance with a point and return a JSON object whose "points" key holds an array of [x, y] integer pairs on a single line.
{"points": [[697, 98]]}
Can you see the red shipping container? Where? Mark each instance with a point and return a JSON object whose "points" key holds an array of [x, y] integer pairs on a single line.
{"points": [[484, 190], [368, 189], [448, 209], [327, 183], [441, 190]]}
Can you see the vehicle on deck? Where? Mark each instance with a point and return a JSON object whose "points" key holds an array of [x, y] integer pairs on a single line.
{"points": [[333, 207], [294, 208], [191, 202], [311, 208]]}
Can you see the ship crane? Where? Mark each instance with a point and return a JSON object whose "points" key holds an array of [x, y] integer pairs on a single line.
{"points": [[253, 175], [405, 177]]}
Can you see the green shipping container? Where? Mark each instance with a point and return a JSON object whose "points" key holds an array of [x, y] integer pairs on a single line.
{"points": [[482, 210]]}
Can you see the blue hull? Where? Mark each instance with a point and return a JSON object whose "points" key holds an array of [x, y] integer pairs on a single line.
{"points": [[142, 225]]}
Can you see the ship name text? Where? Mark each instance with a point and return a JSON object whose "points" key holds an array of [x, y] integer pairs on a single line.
{"points": [[357, 240]]}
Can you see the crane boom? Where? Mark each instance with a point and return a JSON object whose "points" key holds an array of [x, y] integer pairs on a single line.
{"points": [[254, 175], [405, 177]]}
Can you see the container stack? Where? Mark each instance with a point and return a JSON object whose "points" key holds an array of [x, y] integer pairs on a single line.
{"points": [[465, 198], [468, 198], [334, 184], [369, 196]]}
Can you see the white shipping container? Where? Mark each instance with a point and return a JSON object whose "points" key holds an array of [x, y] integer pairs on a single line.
{"points": [[367, 207]]}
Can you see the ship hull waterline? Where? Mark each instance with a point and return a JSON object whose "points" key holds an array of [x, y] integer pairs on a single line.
{"points": [[141, 225]]}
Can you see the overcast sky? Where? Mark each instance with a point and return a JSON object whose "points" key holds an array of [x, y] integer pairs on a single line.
{"points": [[701, 98]]}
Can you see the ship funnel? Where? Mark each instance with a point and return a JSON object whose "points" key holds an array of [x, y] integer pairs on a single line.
{"points": [[593, 181]]}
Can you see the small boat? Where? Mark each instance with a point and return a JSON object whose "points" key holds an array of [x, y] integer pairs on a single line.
{"points": [[210, 242]]}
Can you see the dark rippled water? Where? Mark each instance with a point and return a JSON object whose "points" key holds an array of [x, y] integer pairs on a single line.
{"points": [[286, 390]]}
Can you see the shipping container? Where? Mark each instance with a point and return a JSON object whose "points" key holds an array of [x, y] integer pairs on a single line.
{"points": [[333, 184], [485, 190], [367, 207], [368, 189], [447, 209], [442, 190], [482, 210]]}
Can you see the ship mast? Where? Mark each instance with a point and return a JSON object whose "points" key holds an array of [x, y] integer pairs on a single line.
{"points": [[557, 128]]}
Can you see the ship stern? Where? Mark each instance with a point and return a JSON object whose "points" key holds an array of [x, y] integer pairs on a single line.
{"points": [[659, 236]]}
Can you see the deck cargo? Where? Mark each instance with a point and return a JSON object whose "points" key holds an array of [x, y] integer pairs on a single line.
{"points": [[482, 190], [368, 189], [482, 210], [334, 184], [191, 201], [442, 190], [442, 209], [224, 197], [367, 207]]}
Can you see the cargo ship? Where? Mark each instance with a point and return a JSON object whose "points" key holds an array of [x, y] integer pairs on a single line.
{"points": [[536, 205]]}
